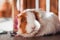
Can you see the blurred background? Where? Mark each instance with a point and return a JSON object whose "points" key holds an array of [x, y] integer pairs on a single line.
{"points": [[6, 23], [10, 8], [5, 16]]}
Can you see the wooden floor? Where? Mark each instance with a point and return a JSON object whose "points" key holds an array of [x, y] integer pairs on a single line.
{"points": [[8, 37]]}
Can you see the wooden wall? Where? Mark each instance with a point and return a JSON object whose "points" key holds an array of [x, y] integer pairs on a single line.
{"points": [[42, 5], [28, 4], [31, 4]]}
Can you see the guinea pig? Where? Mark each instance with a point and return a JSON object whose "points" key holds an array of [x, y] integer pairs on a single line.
{"points": [[28, 26], [35, 22]]}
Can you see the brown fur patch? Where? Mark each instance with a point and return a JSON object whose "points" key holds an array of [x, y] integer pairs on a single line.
{"points": [[23, 22], [36, 15]]}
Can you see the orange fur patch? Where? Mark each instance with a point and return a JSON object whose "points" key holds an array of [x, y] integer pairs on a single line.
{"points": [[23, 22]]}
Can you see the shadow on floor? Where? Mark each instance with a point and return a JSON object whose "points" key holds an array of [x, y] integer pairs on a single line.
{"points": [[49, 37]]}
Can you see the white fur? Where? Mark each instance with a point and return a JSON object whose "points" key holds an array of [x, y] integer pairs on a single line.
{"points": [[30, 22], [38, 25], [49, 22]]}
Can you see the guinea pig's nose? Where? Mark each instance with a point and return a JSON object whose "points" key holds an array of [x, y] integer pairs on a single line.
{"points": [[33, 27]]}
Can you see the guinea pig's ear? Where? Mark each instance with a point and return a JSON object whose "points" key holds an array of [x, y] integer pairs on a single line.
{"points": [[36, 15]]}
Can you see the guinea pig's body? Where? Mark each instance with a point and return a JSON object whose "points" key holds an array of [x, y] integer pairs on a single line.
{"points": [[49, 22], [37, 23]]}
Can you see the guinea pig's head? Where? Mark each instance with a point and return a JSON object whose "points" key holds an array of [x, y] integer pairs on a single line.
{"points": [[25, 22]]}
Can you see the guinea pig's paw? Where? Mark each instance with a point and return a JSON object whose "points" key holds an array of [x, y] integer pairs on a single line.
{"points": [[42, 34], [27, 35]]}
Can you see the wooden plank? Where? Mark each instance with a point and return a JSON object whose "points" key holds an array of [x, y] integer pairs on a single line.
{"points": [[32, 4], [28, 3], [54, 6], [42, 4], [24, 4]]}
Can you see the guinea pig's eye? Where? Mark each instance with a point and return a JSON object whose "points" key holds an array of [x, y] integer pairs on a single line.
{"points": [[23, 19]]}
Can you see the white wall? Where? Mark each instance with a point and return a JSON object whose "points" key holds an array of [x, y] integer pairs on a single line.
{"points": [[59, 8], [18, 4], [47, 5], [37, 4]]}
